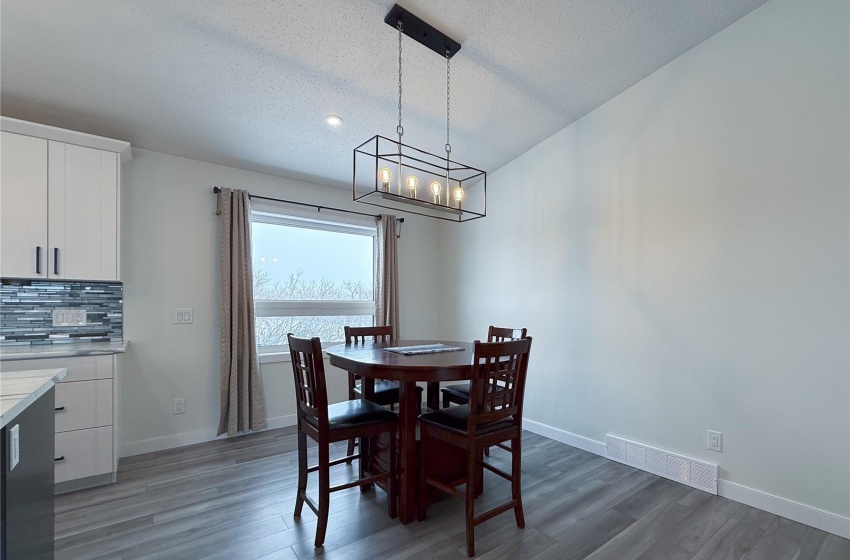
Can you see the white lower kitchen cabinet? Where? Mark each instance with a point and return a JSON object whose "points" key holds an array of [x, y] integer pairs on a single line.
{"points": [[83, 454], [86, 418]]}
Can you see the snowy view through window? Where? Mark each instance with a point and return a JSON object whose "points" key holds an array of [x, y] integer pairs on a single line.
{"points": [[298, 264]]}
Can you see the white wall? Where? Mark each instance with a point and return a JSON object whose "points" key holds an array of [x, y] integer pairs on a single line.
{"points": [[169, 259], [680, 256]]}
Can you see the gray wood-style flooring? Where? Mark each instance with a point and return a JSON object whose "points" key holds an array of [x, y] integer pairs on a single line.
{"points": [[233, 499]]}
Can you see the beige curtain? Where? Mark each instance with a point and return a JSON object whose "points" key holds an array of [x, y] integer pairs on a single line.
{"points": [[386, 272], [242, 402]]}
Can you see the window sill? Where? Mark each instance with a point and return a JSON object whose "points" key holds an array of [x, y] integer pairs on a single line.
{"points": [[276, 356]]}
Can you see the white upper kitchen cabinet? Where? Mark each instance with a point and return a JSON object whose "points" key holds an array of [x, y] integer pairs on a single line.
{"points": [[23, 206], [82, 212], [59, 203]]}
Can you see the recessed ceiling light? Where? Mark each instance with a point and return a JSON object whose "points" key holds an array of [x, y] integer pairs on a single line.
{"points": [[333, 120]]}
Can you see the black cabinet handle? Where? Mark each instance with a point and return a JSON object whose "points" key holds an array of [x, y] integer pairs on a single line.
{"points": [[38, 260], [56, 260], [58, 408], [62, 458]]}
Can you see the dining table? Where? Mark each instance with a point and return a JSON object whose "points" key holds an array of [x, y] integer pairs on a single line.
{"points": [[371, 361]]}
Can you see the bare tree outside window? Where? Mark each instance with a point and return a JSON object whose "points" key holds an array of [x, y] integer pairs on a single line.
{"points": [[272, 331]]}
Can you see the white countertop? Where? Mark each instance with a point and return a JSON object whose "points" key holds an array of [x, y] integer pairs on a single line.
{"points": [[19, 389], [32, 352]]}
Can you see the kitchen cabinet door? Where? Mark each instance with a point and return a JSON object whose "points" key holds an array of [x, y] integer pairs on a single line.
{"points": [[23, 206], [83, 453], [83, 213]]}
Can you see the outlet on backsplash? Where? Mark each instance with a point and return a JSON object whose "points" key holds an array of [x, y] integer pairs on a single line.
{"points": [[69, 317]]}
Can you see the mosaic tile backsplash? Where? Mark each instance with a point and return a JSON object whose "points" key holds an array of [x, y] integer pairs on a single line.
{"points": [[26, 308]]}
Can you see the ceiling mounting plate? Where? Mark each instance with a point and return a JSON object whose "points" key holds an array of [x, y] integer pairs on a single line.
{"points": [[422, 32]]}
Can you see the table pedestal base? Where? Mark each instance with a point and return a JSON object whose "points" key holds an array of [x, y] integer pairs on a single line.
{"points": [[450, 467]]}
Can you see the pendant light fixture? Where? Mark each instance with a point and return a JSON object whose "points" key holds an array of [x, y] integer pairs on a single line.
{"points": [[394, 175]]}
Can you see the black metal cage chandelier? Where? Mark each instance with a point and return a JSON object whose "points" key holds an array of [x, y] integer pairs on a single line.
{"points": [[394, 175]]}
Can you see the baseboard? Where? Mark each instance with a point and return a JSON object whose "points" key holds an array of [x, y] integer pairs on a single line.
{"points": [[801, 513], [796, 511], [81, 483], [563, 436], [152, 445]]}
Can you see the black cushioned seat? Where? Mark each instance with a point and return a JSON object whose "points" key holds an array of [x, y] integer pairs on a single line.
{"points": [[461, 391], [455, 418], [455, 394], [386, 393], [351, 414]]}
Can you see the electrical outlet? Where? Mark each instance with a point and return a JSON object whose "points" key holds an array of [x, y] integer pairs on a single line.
{"points": [[179, 406], [183, 317], [715, 441], [74, 317]]}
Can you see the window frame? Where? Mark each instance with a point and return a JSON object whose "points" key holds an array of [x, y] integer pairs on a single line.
{"points": [[313, 308]]}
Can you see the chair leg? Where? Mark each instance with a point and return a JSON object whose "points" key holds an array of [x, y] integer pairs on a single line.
{"points": [[479, 474], [350, 451], [471, 486], [422, 505], [302, 472], [486, 451], [516, 481], [324, 494], [351, 396], [446, 402], [363, 461], [392, 482]]}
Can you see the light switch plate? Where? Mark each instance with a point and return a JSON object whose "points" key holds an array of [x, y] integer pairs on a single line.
{"points": [[15, 446], [183, 317], [74, 317]]}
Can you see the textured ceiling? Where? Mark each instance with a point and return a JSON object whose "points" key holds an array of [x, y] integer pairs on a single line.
{"points": [[248, 83]]}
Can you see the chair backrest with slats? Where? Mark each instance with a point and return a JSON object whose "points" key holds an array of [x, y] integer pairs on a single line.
{"points": [[308, 369], [498, 381], [501, 334], [358, 335]]}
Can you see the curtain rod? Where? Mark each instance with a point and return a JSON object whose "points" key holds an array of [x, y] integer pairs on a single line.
{"points": [[318, 207]]}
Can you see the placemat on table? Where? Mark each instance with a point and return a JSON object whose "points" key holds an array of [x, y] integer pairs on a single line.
{"points": [[424, 349]]}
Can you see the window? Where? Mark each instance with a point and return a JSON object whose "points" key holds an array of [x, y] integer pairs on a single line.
{"points": [[311, 278]]}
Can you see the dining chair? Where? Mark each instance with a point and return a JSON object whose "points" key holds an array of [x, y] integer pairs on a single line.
{"points": [[492, 416], [386, 392], [327, 424], [459, 394]]}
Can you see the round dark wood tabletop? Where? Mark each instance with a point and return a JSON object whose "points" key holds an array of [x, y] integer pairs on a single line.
{"points": [[372, 360]]}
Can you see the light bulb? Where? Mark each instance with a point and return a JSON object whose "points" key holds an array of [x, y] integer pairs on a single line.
{"points": [[412, 181], [436, 189], [385, 174], [458, 195]]}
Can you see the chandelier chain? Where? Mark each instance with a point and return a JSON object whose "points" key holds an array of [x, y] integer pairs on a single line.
{"points": [[400, 128], [448, 98]]}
